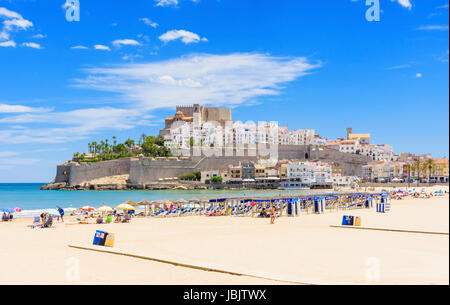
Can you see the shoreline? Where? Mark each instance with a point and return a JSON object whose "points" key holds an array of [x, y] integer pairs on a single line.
{"points": [[200, 186]]}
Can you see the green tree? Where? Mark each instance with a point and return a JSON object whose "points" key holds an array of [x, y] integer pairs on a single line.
{"points": [[429, 166], [216, 180]]}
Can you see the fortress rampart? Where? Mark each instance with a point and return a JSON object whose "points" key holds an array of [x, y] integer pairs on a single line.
{"points": [[146, 170]]}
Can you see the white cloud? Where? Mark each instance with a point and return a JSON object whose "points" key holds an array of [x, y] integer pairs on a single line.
{"points": [[102, 47], [229, 80], [5, 108], [399, 67], [434, 28], [68, 126], [149, 22], [9, 14], [418, 75], [405, 3], [39, 36], [8, 43], [17, 23], [79, 48], [32, 45], [125, 42], [185, 36], [172, 3], [164, 3], [4, 154], [14, 21], [205, 79]]}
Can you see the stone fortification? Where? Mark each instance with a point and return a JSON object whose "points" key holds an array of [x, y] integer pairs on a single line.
{"points": [[149, 170]]}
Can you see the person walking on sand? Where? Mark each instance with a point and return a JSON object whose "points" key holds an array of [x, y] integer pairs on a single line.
{"points": [[61, 212], [273, 211]]}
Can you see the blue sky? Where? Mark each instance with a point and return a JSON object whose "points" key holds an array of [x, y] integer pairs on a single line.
{"points": [[124, 66]]}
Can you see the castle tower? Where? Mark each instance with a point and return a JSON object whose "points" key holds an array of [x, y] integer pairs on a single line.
{"points": [[349, 132], [197, 115]]}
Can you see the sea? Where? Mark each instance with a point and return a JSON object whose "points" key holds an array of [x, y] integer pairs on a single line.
{"points": [[32, 201]]}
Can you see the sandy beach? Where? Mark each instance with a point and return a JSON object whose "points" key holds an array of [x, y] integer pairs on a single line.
{"points": [[297, 250]]}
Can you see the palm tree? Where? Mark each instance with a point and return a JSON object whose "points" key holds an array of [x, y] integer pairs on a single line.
{"points": [[409, 168], [429, 165], [417, 167]]}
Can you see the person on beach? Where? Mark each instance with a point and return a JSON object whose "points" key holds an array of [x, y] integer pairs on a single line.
{"points": [[4, 217], [273, 211], [263, 213], [61, 212]]}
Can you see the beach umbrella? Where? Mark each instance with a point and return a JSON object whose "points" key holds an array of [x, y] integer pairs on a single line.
{"points": [[53, 212], [105, 208], [17, 209], [87, 208], [8, 210], [182, 200], [131, 202], [144, 202], [125, 206]]}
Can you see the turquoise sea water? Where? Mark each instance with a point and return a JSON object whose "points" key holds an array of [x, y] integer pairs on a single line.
{"points": [[31, 199]]}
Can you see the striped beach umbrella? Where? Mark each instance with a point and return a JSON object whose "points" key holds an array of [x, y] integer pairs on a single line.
{"points": [[87, 208]]}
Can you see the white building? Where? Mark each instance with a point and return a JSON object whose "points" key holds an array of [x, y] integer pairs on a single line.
{"points": [[304, 174]]}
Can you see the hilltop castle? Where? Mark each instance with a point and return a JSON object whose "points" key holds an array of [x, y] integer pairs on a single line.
{"points": [[197, 115]]}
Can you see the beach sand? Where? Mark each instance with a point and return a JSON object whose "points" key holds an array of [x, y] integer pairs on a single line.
{"points": [[302, 249]]}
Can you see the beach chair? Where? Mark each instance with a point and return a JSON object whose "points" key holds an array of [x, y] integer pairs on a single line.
{"points": [[109, 219]]}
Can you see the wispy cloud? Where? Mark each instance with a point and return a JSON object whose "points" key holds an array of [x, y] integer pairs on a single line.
{"points": [[125, 42], [14, 21], [405, 3], [6, 108], [206, 79], [444, 6], [164, 3], [170, 3], [433, 28], [399, 67], [79, 48], [185, 36], [8, 43], [39, 36], [149, 22], [230, 80], [68, 126], [4, 154], [102, 47], [32, 45]]}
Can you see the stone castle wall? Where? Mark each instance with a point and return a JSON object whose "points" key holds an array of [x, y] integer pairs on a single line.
{"points": [[146, 170], [79, 173]]}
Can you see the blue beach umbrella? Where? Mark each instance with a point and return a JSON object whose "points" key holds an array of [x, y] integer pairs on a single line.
{"points": [[8, 210]]}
